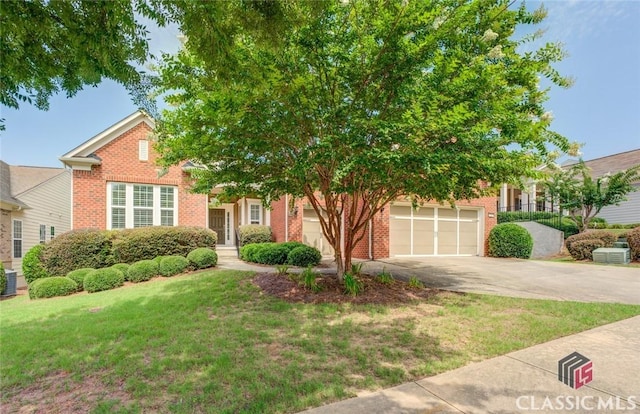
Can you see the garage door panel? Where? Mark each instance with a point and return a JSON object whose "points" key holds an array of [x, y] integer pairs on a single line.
{"points": [[312, 233], [424, 212], [399, 237], [468, 214], [447, 237], [468, 238], [423, 236], [404, 211]]}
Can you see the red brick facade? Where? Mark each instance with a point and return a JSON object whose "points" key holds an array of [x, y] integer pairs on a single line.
{"points": [[120, 163]]}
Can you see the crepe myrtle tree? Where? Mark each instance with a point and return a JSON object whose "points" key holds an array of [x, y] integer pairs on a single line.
{"points": [[583, 196], [362, 102]]}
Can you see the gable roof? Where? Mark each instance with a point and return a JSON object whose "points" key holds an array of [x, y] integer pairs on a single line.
{"points": [[82, 157], [612, 163], [17, 179]]}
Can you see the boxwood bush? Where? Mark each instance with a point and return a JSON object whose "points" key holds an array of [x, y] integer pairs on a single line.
{"points": [[304, 256], [142, 271], [103, 279], [579, 252], [173, 265], [78, 276], [202, 258], [633, 238], [145, 243], [254, 233], [566, 225], [77, 249], [123, 267], [510, 240], [271, 254], [32, 265], [52, 286]]}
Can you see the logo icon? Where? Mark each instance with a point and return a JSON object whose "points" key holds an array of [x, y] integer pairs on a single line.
{"points": [[575, 370]]}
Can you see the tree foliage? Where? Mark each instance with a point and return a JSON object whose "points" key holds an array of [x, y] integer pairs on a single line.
{"points": [[363, 102], [583, 196]]}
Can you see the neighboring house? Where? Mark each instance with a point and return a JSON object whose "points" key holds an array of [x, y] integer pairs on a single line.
{"points": [[117, 184], [533, 198], [35, 205]]}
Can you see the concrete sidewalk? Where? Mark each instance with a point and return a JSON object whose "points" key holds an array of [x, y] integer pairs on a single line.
{"points": [[523, 381]]}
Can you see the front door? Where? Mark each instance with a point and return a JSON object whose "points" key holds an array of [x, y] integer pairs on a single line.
{"points": [[216, 223]]}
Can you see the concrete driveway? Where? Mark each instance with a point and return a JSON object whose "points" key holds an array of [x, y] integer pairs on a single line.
{"points": [[520, 278]]}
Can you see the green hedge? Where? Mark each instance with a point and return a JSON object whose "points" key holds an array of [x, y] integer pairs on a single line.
{"points": [[132, 245], [77, 249], [202, 258], [123, 267], [304, 256], [579, 250], [32, 265], [142, 271], [3, 278], [173, 265], [511, 216], [633, 238], [566, 225], [254, 233], [79, 275], [52, 286], [510, 240], [103, 279]]}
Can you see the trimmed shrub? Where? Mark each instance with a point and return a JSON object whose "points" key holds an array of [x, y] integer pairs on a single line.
{"points": [[304, 256], [597, 223], [510, 216], [142, 271], [633, 238], [510, 240], [103, 279], [606, 237], [203, 258], [292, 245], [254, 233], [79, 275], [77, 249], [248, 252], [159, 259], [145, 243], [583, 249], [3, 278], [271, 254], [123, 267], [172, 265], [32, 265], [49, 287]]}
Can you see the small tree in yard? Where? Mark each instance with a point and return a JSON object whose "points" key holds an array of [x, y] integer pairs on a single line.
{"points": [[583, 196], [355, 103]]}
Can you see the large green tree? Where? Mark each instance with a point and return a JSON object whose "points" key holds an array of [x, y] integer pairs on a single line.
{"points": [[361, 102], [582, 196]]}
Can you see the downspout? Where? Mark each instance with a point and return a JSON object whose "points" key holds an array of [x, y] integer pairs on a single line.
{"points": [[286, 217], [370, 239]]}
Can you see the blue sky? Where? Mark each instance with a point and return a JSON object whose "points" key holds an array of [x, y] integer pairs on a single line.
{"points": [[601, 110]]}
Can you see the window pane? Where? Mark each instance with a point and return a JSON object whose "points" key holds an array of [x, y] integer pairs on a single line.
{"points": [[143, 196], [166, 218], [118, 218], [166, 197], [17, 249], [142, 217], [118, 194], [254, 213], [17, 229], [43, 233]]}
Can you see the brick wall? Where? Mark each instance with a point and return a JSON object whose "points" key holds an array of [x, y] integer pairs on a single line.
{"points": [[120, 163]]}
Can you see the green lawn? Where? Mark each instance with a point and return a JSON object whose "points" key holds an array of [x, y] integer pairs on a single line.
{"points": [[211, 342]]}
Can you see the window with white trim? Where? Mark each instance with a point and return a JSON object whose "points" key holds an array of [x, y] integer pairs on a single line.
{"points": [[255, 211], [52, 232], [140, 205], [43, 233], [17, 239]]}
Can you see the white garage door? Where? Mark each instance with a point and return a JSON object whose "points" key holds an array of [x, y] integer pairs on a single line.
{"points": [[312, 233], [432, 231]]}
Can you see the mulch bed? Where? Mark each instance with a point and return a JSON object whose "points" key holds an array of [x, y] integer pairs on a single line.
{"points": [[374, 292]]}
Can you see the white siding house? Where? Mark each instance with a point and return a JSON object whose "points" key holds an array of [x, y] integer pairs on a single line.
{"points": [[35, 207]]}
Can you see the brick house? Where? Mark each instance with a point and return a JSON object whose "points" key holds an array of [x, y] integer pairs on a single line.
{"points": [[117, 184]]}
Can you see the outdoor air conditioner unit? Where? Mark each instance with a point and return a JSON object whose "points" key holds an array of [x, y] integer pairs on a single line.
{"points": [[613, 255]]}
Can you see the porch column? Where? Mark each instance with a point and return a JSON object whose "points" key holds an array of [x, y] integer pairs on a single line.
{"points": [[503, 197], [241, 206], [534, 197]]}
